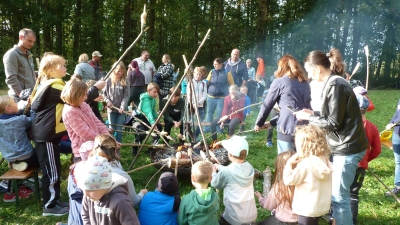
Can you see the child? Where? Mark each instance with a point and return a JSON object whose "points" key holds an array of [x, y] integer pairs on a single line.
{"points": [[280, 197], [311, 173], [200, 91], [81, 123], [175, 111], [47, 130], [106, 199], [246, 112], [162, 205], [116, 94], [202, 204], [15, 145], [237, 182], [373, 150], [147, 105]]}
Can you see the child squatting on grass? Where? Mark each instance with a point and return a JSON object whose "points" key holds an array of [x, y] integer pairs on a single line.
{"points": [[311, 172], [280, 197], [237, 182], [201, 205]]}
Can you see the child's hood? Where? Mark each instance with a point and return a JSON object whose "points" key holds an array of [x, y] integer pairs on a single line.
{"points": [[145, 96], [320, 167], [205, 205], [118, 180], [242, 173]]}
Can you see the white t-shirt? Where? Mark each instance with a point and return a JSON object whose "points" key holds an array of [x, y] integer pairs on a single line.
{"points": [[147, 68], [316, 91]]}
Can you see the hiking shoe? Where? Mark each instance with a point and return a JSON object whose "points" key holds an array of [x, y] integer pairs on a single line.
{"points": [[21, 166], [395, 190], [62, 204], [269, 144], [55, 211]]}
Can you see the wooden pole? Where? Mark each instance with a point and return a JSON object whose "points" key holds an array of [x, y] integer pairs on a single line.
{"points": [[366, 50], [387, 188]]}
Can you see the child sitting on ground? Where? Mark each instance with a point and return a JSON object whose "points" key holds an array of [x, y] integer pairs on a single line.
{"points": [[81, 123], [237, 182], [202, 204], [174, 113], [161, 206], [106, 199], [280, 197], [311, 173]]}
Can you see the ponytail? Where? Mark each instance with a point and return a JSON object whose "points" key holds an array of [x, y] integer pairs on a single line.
{"points": [[332, 60], [337, 64]]}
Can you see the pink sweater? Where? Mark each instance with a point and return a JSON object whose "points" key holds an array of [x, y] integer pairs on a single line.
{"points": [[82, 125]]}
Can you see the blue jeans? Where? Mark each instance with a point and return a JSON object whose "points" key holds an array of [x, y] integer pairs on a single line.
{"points": [[214, 105], [396, 153], [283, 146], [344, 170], [116, 118]]}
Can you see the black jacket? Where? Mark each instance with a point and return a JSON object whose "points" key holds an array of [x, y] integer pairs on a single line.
{"points": [[341, 117]]}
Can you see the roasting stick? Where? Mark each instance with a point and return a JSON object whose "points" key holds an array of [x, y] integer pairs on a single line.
{"points": [[154, 176], [169, 160]]}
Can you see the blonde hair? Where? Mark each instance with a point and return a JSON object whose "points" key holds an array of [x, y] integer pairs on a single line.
{"points": [[311, 140], [83, 58], [49, 63], [202, 70], [244, 89], [202, 171], [73, 92], [105, 145], [122, 67], [284, 194], [5, 101], [167, 57], [152, 85]]}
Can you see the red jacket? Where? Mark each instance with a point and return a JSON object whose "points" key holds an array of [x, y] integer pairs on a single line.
{"points": [[231, 106], [374, 144]]}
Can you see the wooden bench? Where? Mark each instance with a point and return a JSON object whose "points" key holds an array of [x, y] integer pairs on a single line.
{"points": [[14, 176], [387, 143]]}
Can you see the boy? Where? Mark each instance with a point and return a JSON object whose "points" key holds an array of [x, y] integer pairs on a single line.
{"points": [[202, 204], [237, 182], [246, 112], [106, 199], [174, 113], [15, 145]]}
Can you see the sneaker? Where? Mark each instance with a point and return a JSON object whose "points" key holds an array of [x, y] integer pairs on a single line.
{"points": [[269, 144], [62, 204], [23, 193], [9, 197], [55, 211], [21, 166], [395, 190]]}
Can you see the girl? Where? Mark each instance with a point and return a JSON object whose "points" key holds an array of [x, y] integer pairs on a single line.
{"points": [[116, 94], [47, 130], [311, 173], [200, 91], [280, 197], [81, 123], [340, 115], [147, 106]]}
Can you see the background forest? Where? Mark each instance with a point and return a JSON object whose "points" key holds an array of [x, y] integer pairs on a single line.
{"points": [[269, 27]]}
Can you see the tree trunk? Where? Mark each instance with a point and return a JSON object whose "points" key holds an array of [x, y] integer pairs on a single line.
{"points": [[151, 18], [47, 28], [76, 29], [347, 19], [96, 24]]}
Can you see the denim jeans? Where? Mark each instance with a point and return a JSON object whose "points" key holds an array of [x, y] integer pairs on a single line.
{"points": [[116, 118], [283, 146], [214, 105], [344, 170], [396, 152]]}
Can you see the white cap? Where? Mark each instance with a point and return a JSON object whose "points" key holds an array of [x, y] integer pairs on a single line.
{"points": [[235, 145], [97, 53]]}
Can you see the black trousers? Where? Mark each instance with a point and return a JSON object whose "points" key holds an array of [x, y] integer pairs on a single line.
{"points": [[304, 220], [139, 127], [232, 124], [169, 125], [354, 190], [48, 154]]}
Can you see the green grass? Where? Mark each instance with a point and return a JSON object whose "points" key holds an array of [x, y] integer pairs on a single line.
{"points": [[374, 207]]}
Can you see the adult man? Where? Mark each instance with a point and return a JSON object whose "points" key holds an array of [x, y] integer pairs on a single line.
{"points": [[95, 63], [237, 67], [18, 64], [146, 66]]}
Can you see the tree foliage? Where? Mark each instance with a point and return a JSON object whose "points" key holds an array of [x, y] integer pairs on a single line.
{"points": [[267, 27]]}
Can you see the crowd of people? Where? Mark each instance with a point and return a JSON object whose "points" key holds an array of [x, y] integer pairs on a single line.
{"points": [[324, 141]]}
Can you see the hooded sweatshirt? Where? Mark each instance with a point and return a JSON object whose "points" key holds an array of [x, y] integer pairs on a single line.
{"points": [[195, 209], [237, 182], [113, 208], [147, 105], [313, 191]]}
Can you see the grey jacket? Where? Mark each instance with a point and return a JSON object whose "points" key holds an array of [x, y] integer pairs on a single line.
{"points": [[118, 95], [19, 69], [85, 70]]}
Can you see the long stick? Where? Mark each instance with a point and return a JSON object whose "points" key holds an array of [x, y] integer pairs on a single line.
{"points": [[255, 104], [143, 22], [154, 175], [173, 93], [355, 70], [152, 164], [148, 146], [366, 50], [387, 188]]}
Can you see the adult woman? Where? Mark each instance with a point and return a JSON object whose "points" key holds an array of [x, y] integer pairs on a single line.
{"points": [[164, 76], [84, 68], [340, 116], [289, 89], [250, 70], [136, 82], [116, 94], [218, 82]]}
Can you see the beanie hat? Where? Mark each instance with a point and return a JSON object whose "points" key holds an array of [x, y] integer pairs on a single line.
{"points": [[167, 184], [235, 145], [363, 102], [94, 174]]}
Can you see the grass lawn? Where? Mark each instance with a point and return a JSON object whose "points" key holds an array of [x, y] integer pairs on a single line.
{"points": [[375, 208]]}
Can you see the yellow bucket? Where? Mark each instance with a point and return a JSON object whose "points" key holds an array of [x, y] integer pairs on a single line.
{"points": [[386, 135]]}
